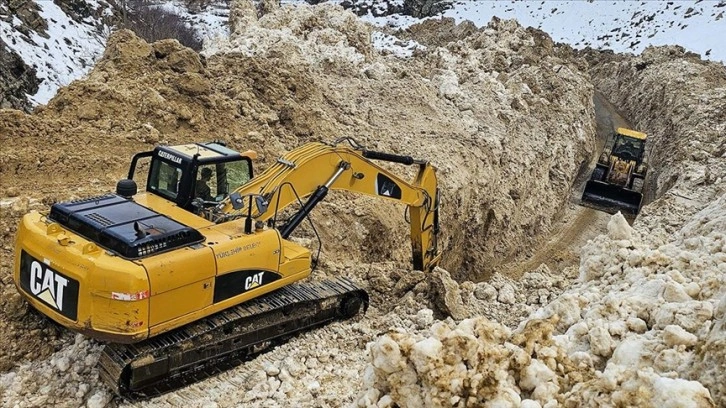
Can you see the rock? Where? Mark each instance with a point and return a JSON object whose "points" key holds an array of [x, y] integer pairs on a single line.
{"points": [[693, 289], [675, 335], [185, 61], [124, 47], [506, 294], [637, 325], [424, 318], [193, 84], [447, 295], [15, 305], [484, 291], [20, 206], [674, 292], [618, 227], [255, 137], [293, 367], [408, 281], [314, 387], [271, 369], [63, 364], [601, 344]]}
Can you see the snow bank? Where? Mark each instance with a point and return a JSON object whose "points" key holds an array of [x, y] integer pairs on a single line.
{"points": [[476, 362], [322, 37], [630, 331]]}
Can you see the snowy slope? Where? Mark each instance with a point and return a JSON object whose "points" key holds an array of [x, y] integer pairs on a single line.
{"points": [[623, 26], [210, 23], [68, 52]]}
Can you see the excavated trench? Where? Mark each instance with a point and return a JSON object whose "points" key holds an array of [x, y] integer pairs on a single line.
{"points": [[576, 224]]}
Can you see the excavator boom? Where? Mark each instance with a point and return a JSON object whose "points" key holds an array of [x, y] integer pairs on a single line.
{"points": [[316, 168]]}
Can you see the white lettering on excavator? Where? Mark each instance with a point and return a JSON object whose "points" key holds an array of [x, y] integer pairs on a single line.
{"points": [[47, 285], [254, 281], [175, 159]]}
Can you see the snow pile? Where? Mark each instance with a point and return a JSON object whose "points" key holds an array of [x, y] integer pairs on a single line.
{"points": [[68, 377], [633, 327], [323, 37], [469, 363], [647, 310]]}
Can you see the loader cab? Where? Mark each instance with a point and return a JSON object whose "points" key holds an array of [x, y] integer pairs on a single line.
{"points": [[628, 148], [208, 172], [629, 145]]}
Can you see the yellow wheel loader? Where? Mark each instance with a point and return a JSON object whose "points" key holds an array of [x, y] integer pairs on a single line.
{"points": [[616, 183], [197, 273]]}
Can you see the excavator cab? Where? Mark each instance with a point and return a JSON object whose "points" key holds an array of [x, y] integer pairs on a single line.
{"points": [[616, 183], [194, 176]]}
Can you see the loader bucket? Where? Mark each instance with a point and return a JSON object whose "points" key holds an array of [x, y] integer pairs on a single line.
{"points": [[611, 198]]}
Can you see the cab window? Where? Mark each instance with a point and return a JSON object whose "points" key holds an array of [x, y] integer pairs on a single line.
{"points": [[238, 173], [164, 179], [214, 182], [628, 145]]}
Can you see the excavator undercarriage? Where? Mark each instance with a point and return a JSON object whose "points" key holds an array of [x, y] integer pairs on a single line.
{"points": [[227, 339]]}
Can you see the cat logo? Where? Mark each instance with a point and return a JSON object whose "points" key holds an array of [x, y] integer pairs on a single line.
{"points": [[47, 285], [254, 281], [386, 187]]}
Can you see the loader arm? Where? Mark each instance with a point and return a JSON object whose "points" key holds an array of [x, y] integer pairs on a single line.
{"points": [[315, 168]]}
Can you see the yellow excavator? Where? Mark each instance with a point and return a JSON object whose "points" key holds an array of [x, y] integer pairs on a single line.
{"points": [[616, 183], [198, 273]]}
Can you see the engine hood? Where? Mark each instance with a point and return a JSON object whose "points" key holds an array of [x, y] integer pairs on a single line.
{"points": [[123, 226]]}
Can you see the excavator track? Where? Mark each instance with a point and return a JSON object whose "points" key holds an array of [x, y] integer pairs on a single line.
{"points": [[205, 348]]}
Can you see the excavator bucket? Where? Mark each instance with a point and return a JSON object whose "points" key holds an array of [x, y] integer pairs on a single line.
{"points": [[611, 198]]}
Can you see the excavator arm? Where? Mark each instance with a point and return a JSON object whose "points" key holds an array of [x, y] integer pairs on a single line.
{"points": [[313, 169]]}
